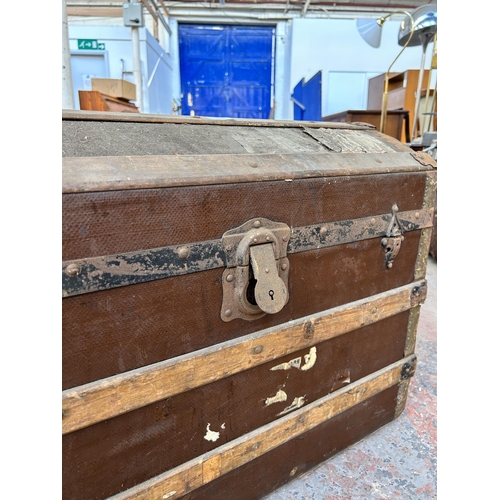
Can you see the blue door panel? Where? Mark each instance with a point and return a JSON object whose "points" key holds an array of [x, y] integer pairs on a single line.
{"points": [[307, 99], [298, 105], [226, 70]]}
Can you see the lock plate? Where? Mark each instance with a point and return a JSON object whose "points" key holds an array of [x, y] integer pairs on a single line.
{"points": [[270, 291], [255, 282]]}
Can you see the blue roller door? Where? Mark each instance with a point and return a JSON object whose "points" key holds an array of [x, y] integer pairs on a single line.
{"points": [[226, 71]]}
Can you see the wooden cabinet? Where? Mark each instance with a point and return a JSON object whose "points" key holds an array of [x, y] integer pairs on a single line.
{"points": [[395, 121], [401, 92]]}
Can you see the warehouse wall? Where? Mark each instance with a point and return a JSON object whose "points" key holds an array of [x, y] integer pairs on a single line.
{"points": [[303, 47], [335, 47], [156, 64]]}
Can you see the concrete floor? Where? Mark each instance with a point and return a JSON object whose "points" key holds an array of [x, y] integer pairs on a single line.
{"points": [[399, 461]]}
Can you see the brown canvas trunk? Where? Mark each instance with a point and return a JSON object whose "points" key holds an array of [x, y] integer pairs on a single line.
{"points": [[240, 299]]}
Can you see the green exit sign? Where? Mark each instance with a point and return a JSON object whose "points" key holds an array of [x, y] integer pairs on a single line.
{"points": [[87, 44]]}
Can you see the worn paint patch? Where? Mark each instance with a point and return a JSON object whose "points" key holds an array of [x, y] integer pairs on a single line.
{"points": [[280, 396], [297, 403], [294, 363], [344, 377], [309, 359], [211, 435]]}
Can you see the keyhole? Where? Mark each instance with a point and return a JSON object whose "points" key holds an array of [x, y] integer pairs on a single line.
{"points": [[271, 293]]}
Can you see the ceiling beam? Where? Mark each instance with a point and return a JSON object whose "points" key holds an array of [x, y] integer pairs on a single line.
{"points": [[94, 11], [361, 4], [240, 11]]}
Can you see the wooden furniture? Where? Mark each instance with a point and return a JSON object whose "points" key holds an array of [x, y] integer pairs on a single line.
{"points": [[92, 100], [402, 89], [394, 123]]}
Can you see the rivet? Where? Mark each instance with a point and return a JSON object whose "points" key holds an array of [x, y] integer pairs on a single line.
{"points": [[323, 231], [255, 240], [284, 266], [255, 446], [267, 270], [378, 160], [395, 208], [389, 265], [256, 223], [258, 349], [183, 252], [374, 310], [228, 313], [284, 238], [229, 277], [372, 222], [268, 238], [73, 270], [417, 215]]}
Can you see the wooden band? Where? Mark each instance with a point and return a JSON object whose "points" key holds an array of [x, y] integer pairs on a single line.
{"points": [[111, 271], [198, 120], [112, 173], [201, 470], [97, 401], [425, 237]]}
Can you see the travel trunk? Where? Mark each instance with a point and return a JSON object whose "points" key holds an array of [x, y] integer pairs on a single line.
{"points": [[240, 299]]}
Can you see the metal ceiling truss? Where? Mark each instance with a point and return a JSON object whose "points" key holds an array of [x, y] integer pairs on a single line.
{"points": [[242, 10]]}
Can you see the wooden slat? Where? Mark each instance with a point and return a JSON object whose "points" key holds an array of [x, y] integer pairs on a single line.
{"points": [[94, 11], [426, 235], [199, 471], [104, 399], [101, 173], [68, 114]]}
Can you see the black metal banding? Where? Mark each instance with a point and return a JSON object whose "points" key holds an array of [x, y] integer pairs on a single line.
{"points": [[111, 271]]}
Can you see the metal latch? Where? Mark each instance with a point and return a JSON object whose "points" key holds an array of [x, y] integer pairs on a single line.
{"points": [[394, 238], [255, 281]]}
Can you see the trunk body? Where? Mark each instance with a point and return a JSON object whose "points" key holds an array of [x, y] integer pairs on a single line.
{"points": [[240, 299]]}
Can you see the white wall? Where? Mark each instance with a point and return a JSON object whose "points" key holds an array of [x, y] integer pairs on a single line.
{"points": [[158, 84], [156, 64], [346, 60], [303, 47]]}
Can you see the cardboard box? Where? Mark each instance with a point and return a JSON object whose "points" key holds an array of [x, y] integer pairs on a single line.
{"points": [[114, 88]]}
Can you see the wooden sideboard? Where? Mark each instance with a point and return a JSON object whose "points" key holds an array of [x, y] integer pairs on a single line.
{"points": [[397, 122]]}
